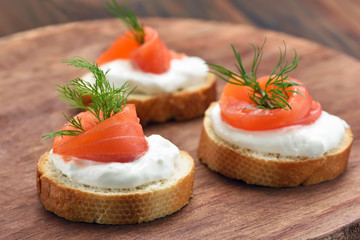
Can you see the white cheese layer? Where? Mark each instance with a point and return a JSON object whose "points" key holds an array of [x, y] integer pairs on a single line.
{"points": [[311, 140], [183, 73], [156, 164]]}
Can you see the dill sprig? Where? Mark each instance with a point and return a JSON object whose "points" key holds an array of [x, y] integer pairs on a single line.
{"points": [[128, 17], [74, 122], [61, 133], [106, 99], [276, 91]]}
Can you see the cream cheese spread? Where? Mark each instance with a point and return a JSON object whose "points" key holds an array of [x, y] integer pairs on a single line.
{"points": [[183, 73], [156, 164], [311, 140]]}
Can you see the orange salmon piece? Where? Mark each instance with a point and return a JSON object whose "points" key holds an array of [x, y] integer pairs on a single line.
{"points": [[121, 48], [152, 56], [88, 121], [235, 110], [117, 139]]}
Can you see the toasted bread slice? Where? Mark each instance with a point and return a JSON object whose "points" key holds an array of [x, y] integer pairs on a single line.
{"points": [[181, 105], [79, 202], [269, 169]]}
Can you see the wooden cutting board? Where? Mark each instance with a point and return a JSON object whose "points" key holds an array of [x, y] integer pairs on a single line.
{"points": [[221, 208]]}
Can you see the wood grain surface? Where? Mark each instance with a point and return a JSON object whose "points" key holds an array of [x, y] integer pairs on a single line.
{"points": [[221, 208], [332, 23]]}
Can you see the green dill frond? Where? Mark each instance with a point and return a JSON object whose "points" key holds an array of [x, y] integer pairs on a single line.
{"points": [[106, 99], [278, 82], [75, 123], [128, 17], [60, 133]]}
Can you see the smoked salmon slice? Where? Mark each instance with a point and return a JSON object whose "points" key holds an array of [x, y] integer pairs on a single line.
{"points": [[88, 121], [119, 138], [121, 48], [236, 110], [152, 56]]}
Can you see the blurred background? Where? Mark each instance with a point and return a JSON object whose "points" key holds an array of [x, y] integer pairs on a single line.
{"points": [[332, 23]]}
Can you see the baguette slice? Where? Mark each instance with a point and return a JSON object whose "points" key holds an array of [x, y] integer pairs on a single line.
{"points": [[269, 169], [79, 202], [181, 105]]}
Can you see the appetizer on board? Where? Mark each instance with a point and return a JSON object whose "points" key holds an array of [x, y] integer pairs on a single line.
{"points": [[102, 168], [269, 131], [169, 85]]}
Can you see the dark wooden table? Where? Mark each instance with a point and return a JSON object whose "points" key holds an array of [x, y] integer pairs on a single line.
{"points": [[221, 208], [332, 23]]}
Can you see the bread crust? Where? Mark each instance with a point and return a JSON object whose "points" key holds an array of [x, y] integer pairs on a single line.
{"points": [[119, 207], [180, 105], [274, 171]]}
